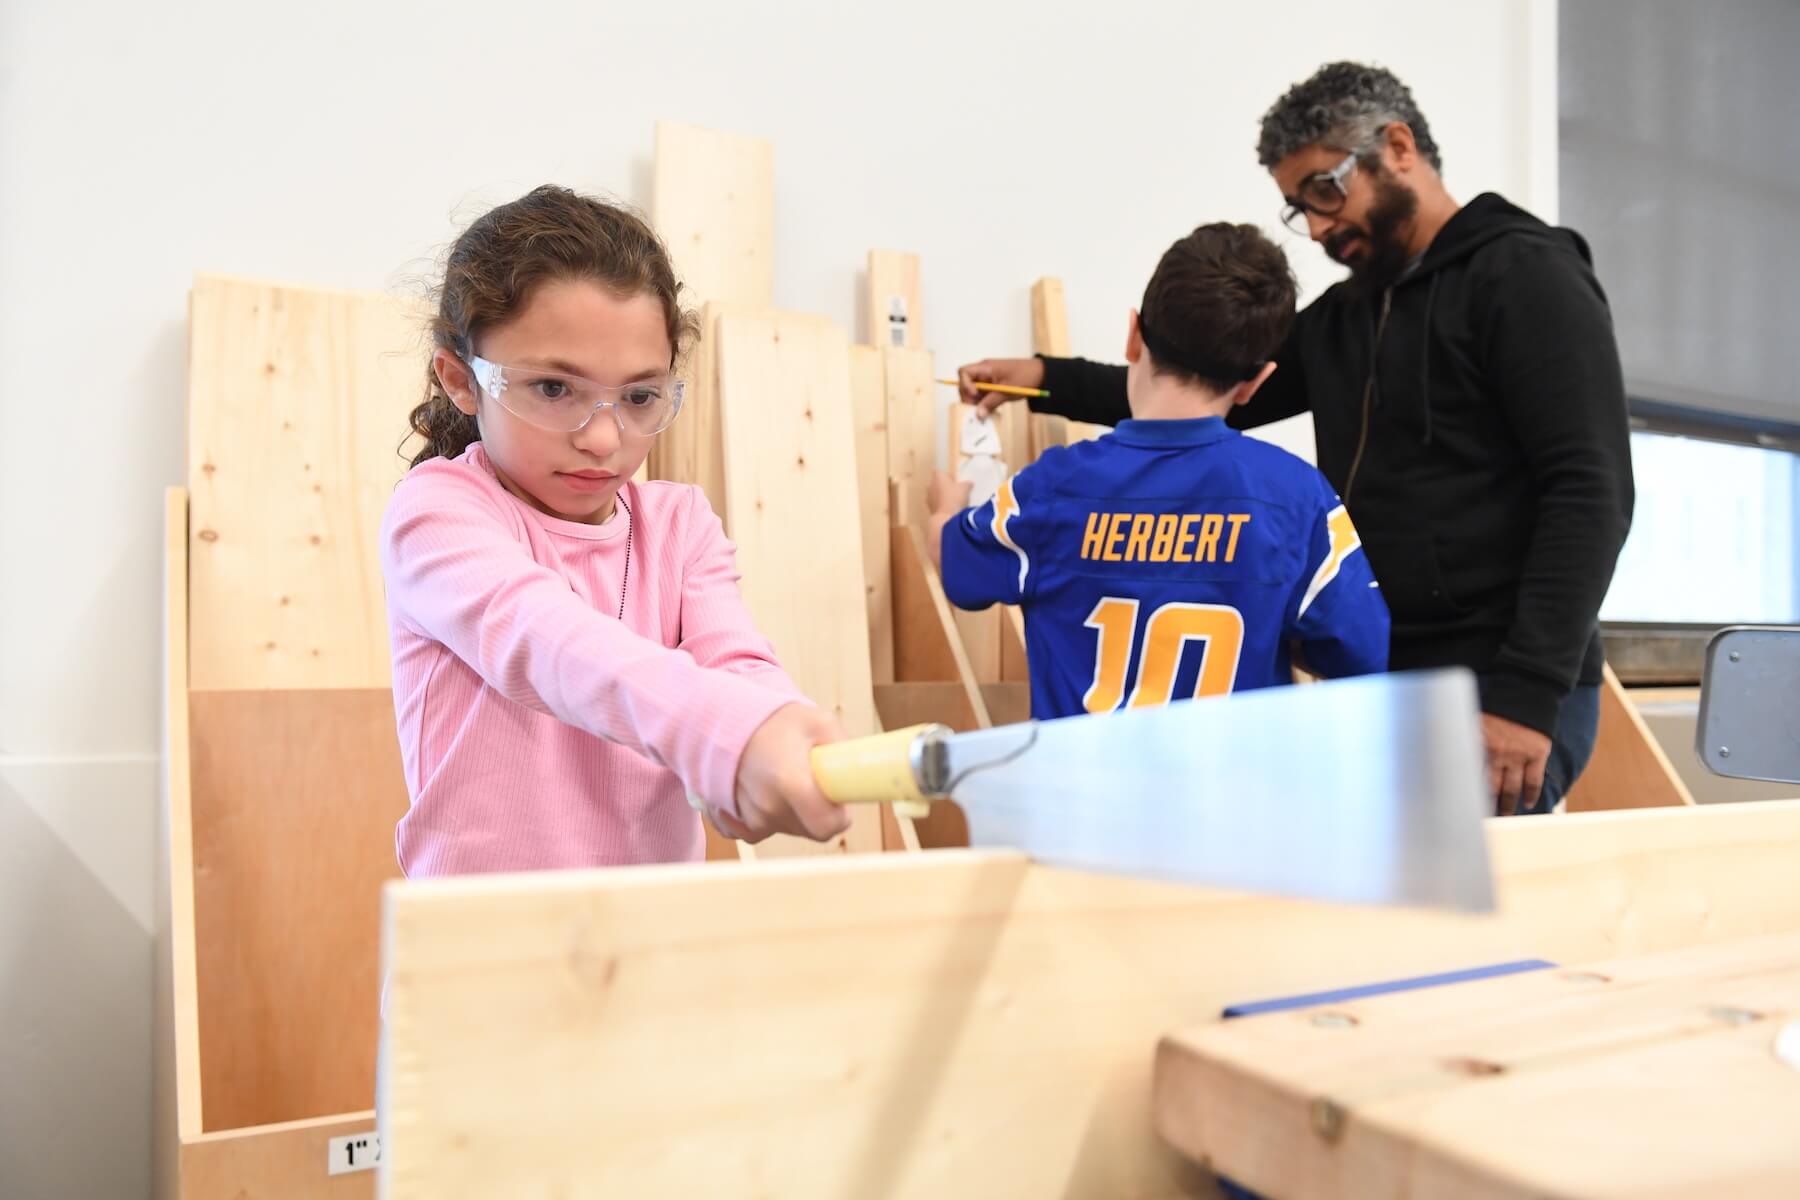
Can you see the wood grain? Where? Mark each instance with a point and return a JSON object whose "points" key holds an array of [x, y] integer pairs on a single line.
{"points": [[295, 799], [1629, 768], [542, 1031], [792, 494], [297, 401], [713, 202], [868, 399], [1657, 1069]]}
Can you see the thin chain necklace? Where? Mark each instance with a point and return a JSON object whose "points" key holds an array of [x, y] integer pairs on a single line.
{"points": [[626, 582]]}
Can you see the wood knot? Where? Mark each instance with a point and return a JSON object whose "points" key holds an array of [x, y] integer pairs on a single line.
{"points": [[208, 535], [207, 468], [316, 540]]}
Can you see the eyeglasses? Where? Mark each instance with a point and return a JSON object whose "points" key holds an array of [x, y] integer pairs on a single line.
{"points": [[1323, 193], [565, 403]]}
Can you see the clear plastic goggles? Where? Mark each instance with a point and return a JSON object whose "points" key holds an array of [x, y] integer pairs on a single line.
{"points": [[565, 403]]}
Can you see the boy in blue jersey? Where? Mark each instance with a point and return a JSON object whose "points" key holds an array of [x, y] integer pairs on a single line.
{"points": [[1174, 557]]}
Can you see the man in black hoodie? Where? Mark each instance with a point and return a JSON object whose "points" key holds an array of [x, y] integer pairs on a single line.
{"points": [[1468, 406]]}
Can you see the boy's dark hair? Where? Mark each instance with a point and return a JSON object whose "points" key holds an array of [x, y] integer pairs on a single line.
{"points": [[549, 234], [1218, 307]]}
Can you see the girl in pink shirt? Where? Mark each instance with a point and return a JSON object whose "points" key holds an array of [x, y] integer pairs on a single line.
{"points": [[572, 657]]}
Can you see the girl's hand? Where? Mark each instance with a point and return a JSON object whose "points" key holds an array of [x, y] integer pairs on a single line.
{"points": [[776, 792]]}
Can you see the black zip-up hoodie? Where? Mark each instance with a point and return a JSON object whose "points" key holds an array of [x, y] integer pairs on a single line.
{"points": [[1472, 416]]}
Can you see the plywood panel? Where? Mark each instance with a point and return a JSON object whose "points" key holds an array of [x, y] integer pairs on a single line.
{"points": [[896, 311], [175, 1007], [1629, 768], [792, 495], [295, 799], [926, 646], [692, 450], [1658, 1069], [273, 1162], [911, 428], [297, 401], [1018, 1005], [868, 398], [713, 203]]}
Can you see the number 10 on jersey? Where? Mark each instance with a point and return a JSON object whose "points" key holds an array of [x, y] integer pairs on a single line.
{"points": [[1170, 628]]}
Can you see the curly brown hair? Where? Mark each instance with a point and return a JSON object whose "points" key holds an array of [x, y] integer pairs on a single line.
{"points": [[549, 234]]}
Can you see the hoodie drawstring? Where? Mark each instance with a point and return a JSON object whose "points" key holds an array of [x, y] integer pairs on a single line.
{"points": [[1425, 366]]}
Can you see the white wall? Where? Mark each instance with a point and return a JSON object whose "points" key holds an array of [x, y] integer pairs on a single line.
{"points": [[344, 144]]}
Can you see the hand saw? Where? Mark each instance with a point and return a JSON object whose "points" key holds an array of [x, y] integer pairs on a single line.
{"points": [[1369, 790]]}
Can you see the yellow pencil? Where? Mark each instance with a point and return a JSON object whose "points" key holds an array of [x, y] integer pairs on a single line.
{"points": [[1005, 389]]}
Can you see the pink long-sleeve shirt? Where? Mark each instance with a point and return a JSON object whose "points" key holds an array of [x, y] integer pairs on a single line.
{"points": [[537, 729]]}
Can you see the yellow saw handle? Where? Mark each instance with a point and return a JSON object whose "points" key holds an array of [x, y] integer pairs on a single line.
{"points": [[875, 770]]}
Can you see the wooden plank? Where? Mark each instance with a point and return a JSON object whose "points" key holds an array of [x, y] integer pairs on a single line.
{"points": [[713, 202], [1007, 703], [269, 1162], [692, 449], [1657, 1069], [970, 461], [926, 646], [1018, 1005], [295, 799], [1014, 662], [911, 428], [868, 398], [1629, 768], [1049, 336], [176, 1051], [791, 495], [297, 400], [896, 311]]}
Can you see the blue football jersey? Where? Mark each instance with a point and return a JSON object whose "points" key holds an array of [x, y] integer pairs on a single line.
{"points": [[1166, 560]]}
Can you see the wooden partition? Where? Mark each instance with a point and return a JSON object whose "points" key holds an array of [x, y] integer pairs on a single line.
{"points": [[284, 781]]}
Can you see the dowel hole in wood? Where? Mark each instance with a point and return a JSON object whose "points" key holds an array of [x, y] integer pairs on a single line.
{"points": [[1473, 1066], [1328, 1119]]}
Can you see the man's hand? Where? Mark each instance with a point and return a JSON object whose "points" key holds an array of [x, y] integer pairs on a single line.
{"points": [[776, 792], [1516, 755], [1014, 372]]}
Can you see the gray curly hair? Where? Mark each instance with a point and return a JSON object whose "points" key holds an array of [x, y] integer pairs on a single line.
{"points": [[1345, 105]]}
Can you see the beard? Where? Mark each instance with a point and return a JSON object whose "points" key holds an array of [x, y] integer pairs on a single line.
{"points": [[1384, 256]]}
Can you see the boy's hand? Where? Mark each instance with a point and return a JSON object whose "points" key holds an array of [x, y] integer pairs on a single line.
{"points": [[776, 792], [946, 496], [1015, 372]]}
